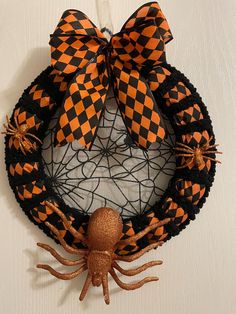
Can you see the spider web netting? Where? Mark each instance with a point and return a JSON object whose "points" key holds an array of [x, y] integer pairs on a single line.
{"points": [[115, 173]]}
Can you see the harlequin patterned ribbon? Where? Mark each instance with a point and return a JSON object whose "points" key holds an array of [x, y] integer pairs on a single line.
{"points": [[79, 49]]}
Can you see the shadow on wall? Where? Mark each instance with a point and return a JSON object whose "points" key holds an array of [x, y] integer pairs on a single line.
{"points": [[36, 61], [41, 279]]}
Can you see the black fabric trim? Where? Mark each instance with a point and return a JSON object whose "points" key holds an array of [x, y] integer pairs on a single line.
{"points": [[13, 156], [27, 178], [170, 82], [138, 223], [47, 84], [32, 107], [196, 126], [195, 176], [184, 104]]}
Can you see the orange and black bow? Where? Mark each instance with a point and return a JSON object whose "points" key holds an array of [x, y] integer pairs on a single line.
{"points": [[80, 49]]}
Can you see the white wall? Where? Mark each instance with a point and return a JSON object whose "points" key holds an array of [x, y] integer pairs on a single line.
{"points": [[198, 274]]}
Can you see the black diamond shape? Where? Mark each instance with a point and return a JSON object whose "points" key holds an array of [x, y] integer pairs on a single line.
{"points": [[147, 112], [123, 86], [137, 117], [140, 97], [76, 97], [143, 40], [70, 51], [133, 81]]}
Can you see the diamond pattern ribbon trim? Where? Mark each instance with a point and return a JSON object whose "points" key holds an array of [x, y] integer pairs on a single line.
{"points": [[79, 49]]}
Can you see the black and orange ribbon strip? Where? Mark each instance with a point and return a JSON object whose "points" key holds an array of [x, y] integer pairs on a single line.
{"points": [[80, 50]]}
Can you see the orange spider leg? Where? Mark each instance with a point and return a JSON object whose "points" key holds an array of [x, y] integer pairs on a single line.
{"points": [[34, 136], [58, 275], [184, 150], [105, 289], [183, 145], [8, 132], [71, 229], [85, 287], [9, 128], [135, 271], [58, 257], [66, 246], [142, 233], [22, 147], [207, 146], [212, 152], [209, 158], [7, 118], [212, 146], [10, 125], [131, 286], [28, 144], [16, 122], [208, 141], [135, 256], [184, 155], [12, 128]]}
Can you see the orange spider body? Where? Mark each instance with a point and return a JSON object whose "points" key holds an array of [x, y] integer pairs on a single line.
{"points": [[99, 258], [198, 157], [20, 134], [102, 241]]}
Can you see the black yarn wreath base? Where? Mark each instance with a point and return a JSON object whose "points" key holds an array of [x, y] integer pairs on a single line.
{"points": [[139, 222]]}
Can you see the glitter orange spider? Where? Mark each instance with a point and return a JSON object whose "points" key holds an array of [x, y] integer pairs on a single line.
{"points": [[198, 154], [102, 239], [21, 135]]}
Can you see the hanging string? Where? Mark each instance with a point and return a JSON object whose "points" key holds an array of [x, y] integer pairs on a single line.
{"points": [[104, 16]]}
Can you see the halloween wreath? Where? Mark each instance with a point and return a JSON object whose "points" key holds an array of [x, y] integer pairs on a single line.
{"points": [[84, 66]]}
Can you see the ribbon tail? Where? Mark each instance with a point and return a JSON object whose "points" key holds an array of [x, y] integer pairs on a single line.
{"points": [[83, 105], [139, 110]]}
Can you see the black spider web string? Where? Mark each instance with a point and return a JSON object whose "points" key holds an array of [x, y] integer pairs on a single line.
{"points": [[115, 173]]}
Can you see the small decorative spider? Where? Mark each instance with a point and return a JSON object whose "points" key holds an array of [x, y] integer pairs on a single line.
{"points": [[20, 134], [198, 154], [102, 239]]}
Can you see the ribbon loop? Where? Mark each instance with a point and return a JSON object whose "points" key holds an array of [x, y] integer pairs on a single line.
{"points": [[142, 46], [150, 12], [79, 49], [75, 41]]}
